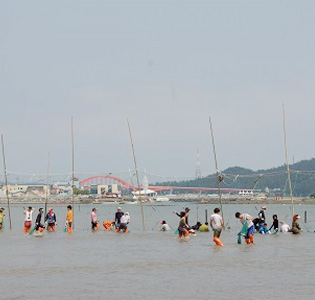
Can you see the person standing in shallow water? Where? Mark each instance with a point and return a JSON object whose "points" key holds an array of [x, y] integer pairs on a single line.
{"points": [[250, 226], [1, 217], [39, 226], [182, 227], [118, 216], [216, 223], [94, 221], [187, 209], [51, 220], [69, 219], [28, 219]]}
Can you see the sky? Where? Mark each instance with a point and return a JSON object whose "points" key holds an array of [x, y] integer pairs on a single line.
{"points": [[166, 66]]}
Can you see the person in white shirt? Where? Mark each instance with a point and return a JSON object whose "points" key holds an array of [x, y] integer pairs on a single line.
{"points": [[164, 226], [28, 219], [249, 237], [124, 221], [284, 227], [216, 223]]}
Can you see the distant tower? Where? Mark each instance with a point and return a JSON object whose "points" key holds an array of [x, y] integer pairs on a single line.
{"points": [[145, 181], [198, 171]]}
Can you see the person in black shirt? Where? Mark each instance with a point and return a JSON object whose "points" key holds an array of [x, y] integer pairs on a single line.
{"points": [[186, 212], [118, 216], [275, 224], [39, 226]]}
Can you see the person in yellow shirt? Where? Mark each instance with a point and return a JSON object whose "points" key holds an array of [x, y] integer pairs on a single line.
{"points": [[69, 219], [1, 217]]}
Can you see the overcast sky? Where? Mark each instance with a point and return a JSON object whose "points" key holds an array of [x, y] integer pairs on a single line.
{"points": [[165, 65]]}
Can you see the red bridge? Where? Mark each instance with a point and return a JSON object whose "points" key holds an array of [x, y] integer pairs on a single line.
{"points": [[127, 186]]}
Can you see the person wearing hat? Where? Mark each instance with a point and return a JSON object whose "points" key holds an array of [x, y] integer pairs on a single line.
{"points": [[296, 229], [164, 226], [124, 221], [1, 217], [28, 219], [51, 220], [118, 216], [187, 209], [261, 214], [39, 226]]}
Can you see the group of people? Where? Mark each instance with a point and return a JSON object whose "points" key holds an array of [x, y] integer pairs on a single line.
{"points": [[119, 225], [49, 219], [216, 224], [251, 225]]}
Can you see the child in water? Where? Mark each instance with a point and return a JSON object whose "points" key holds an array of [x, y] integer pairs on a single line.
{"points": [[264, 229]]}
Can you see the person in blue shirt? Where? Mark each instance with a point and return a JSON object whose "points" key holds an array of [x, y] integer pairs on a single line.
{"points": [[51, 220], [264, 229]]}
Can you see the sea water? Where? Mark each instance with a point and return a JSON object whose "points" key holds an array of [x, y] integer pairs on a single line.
{"points": [[149, 264]]}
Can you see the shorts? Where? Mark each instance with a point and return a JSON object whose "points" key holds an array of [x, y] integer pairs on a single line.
{"points": [[182, 230], [28, 224], [123, 226], [250, 230], [217, 232], [94, 225]]}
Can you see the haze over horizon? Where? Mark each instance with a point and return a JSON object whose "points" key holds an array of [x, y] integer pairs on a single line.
{"points": [[166, 66]]}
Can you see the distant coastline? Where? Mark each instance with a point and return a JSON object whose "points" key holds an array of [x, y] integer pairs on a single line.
{"points": [[175, 199]]}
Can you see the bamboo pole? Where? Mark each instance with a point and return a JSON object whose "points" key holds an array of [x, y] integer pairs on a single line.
{"points": [[47, 185], [216, 167], [286, 158], [137, 174], [6, 179], [72, 179]]}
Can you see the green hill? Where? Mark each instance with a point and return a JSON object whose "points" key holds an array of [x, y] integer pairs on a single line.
{"points": [[302, 178]]}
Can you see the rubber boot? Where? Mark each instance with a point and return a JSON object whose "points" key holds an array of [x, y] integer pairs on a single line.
{"points": [[126, 231], [218, 242], [117, 230], [251, 238], [247, 241], [41, 229], [186, 234], [180, 236]]}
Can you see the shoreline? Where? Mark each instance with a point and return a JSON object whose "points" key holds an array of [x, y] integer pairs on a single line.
{"points": [[196, 200]]}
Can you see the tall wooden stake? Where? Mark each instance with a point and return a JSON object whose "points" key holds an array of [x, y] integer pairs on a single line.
{"points": [[286, 158], [219, 179], [137, 174], [47, 185], [72, 179], [6, 179]]}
